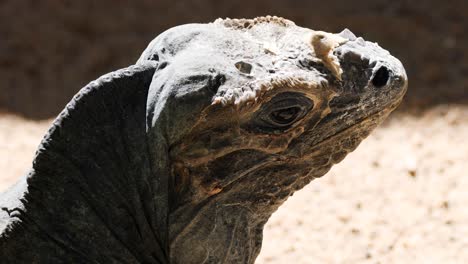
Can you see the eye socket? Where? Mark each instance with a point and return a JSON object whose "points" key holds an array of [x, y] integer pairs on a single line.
{"points": [[281, 113], [285, 116]]}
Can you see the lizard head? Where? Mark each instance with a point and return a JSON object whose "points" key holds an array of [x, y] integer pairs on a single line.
{"points": [[253, 110]]}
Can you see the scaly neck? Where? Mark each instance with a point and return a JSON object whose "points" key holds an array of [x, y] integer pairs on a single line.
{"points": [[91, 193]]}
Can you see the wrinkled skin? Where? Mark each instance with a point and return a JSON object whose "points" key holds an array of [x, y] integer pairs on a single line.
{"points": [[240, 114]]}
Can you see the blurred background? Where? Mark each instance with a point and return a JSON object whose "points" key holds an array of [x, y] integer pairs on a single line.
{"points": [[401, 197]]}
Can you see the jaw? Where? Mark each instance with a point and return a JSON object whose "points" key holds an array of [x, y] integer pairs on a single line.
{"points": [[251, 190], [337, 132]]}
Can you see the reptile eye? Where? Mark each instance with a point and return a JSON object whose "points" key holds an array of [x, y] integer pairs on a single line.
{"points": [[285, 116], [281, 113]]}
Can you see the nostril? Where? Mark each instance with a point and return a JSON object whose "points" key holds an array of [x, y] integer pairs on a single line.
{"points": [[380, 78]]}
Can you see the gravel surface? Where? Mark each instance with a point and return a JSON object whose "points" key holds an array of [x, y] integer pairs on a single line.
{"points": [[401, 197]]}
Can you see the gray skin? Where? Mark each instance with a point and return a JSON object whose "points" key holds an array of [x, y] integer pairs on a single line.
{"points": [[183, 157]]}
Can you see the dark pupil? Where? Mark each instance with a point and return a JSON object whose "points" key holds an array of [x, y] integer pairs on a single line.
{"points": [[285, 116]]}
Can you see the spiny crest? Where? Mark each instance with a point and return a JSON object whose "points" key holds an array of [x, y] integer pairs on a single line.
{"points": [[249, 23]]}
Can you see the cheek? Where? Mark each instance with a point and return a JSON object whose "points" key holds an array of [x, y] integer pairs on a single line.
{"points": [[208, 146], [207, 179]]}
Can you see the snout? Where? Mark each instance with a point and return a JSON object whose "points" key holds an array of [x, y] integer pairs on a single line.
{"points": [[373, 83], [369, 69]]}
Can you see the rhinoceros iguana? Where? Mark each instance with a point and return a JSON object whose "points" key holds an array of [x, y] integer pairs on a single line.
{"points": [[183, 157]]}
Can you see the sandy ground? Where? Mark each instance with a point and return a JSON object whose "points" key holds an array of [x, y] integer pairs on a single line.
{"points": [[401, 197]]}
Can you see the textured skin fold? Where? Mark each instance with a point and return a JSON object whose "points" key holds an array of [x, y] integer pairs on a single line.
{"points": [[88, 196]]}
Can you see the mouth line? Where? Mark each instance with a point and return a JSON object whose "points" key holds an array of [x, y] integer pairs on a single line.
{"points": [[382, 113], [280, 160]]}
